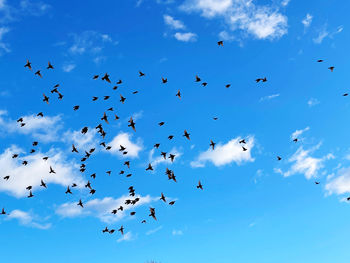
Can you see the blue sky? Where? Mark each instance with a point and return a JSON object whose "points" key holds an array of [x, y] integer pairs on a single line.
{"points": [[253, 208]]}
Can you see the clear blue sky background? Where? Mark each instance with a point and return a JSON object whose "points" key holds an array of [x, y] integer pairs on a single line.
{"points": [[253, 208]]}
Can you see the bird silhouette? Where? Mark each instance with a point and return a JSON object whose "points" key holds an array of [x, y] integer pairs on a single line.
{"points": [[199, 186], [49, 66], [212, 144], [28, 65], [187, 135]]}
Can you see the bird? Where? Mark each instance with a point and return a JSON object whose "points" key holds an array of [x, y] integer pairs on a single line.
{"points": [[106, 230], [186, 134], [40, 114], [24, 162], [279, 158], [68, 191], [178, 94], [95, 77], [122, 148], [244, 149], [143, 222], [204, 84], [76, 107], [30, 194], [94, 98], [49, 66], [74, 149], [141, 74], [43, 184], [46, 99], [38, 73], [14, 156], [121, 230], [149, 168], [171, 202], [162, 197], [28, 65], [172, 157], [242, 141], [106, 97], [161, 123], [106, 78], [317, 182], [212, 144], [199, 186], [163, 154], [220, 43], [320, 60], [104, 118], [127, 163], [198, 79], [295, 140], [3, 211], [119, 82], [170, 137], [345, 94], [331, 69], [52, 171], [164, 80], [227, 86], [80, 203], [29, 187], [122, 99], [156, 145], [35, 144], [153, 213], [84, 130], [132, 124]]}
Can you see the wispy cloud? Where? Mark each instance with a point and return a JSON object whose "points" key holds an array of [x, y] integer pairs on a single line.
{"points": [[313, 102], [186, 37], [273, 96], [173, 23], [27, 219], [307, 20]]}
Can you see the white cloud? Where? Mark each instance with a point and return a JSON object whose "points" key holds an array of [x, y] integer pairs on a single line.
{"points": [[269, 97], [43, 128], [339, 184], [37, 169], [124, 139], [177, 232], [306, 164], [298, 133], [102, 208], [312, 102], [186, 37], [307, 20], [152, 231], [260, 21], [173, 23], [37, 8], [224, 154], [68, 67], [27, 219], [126, 237]]}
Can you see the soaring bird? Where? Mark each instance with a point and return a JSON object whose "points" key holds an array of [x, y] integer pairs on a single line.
{"points": [[220, 43], [320, 60], [38, 73], [74, 149], [178, 94], [164, 80], [106, 78], [186, 134], [3, 211], [49, 66], [94, 98], [106, 230], [46, 99], [132, 124], [199, 186], [162, 197], [119, 82], [43, 184], [7, 177], [227, 86], [172, 157], [161, 123], [331, 69], [121, 230], [30, 194], [279, 158], [156, 145], [76, 107], [149, 168], [171, 202], [212, 144], [198, 79], [28, 65], [52, 171], [104, 118], [68, 191], [152, 213], [122, 99], [244, 149], [95, 77], [141, 74], [80, 203]]}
